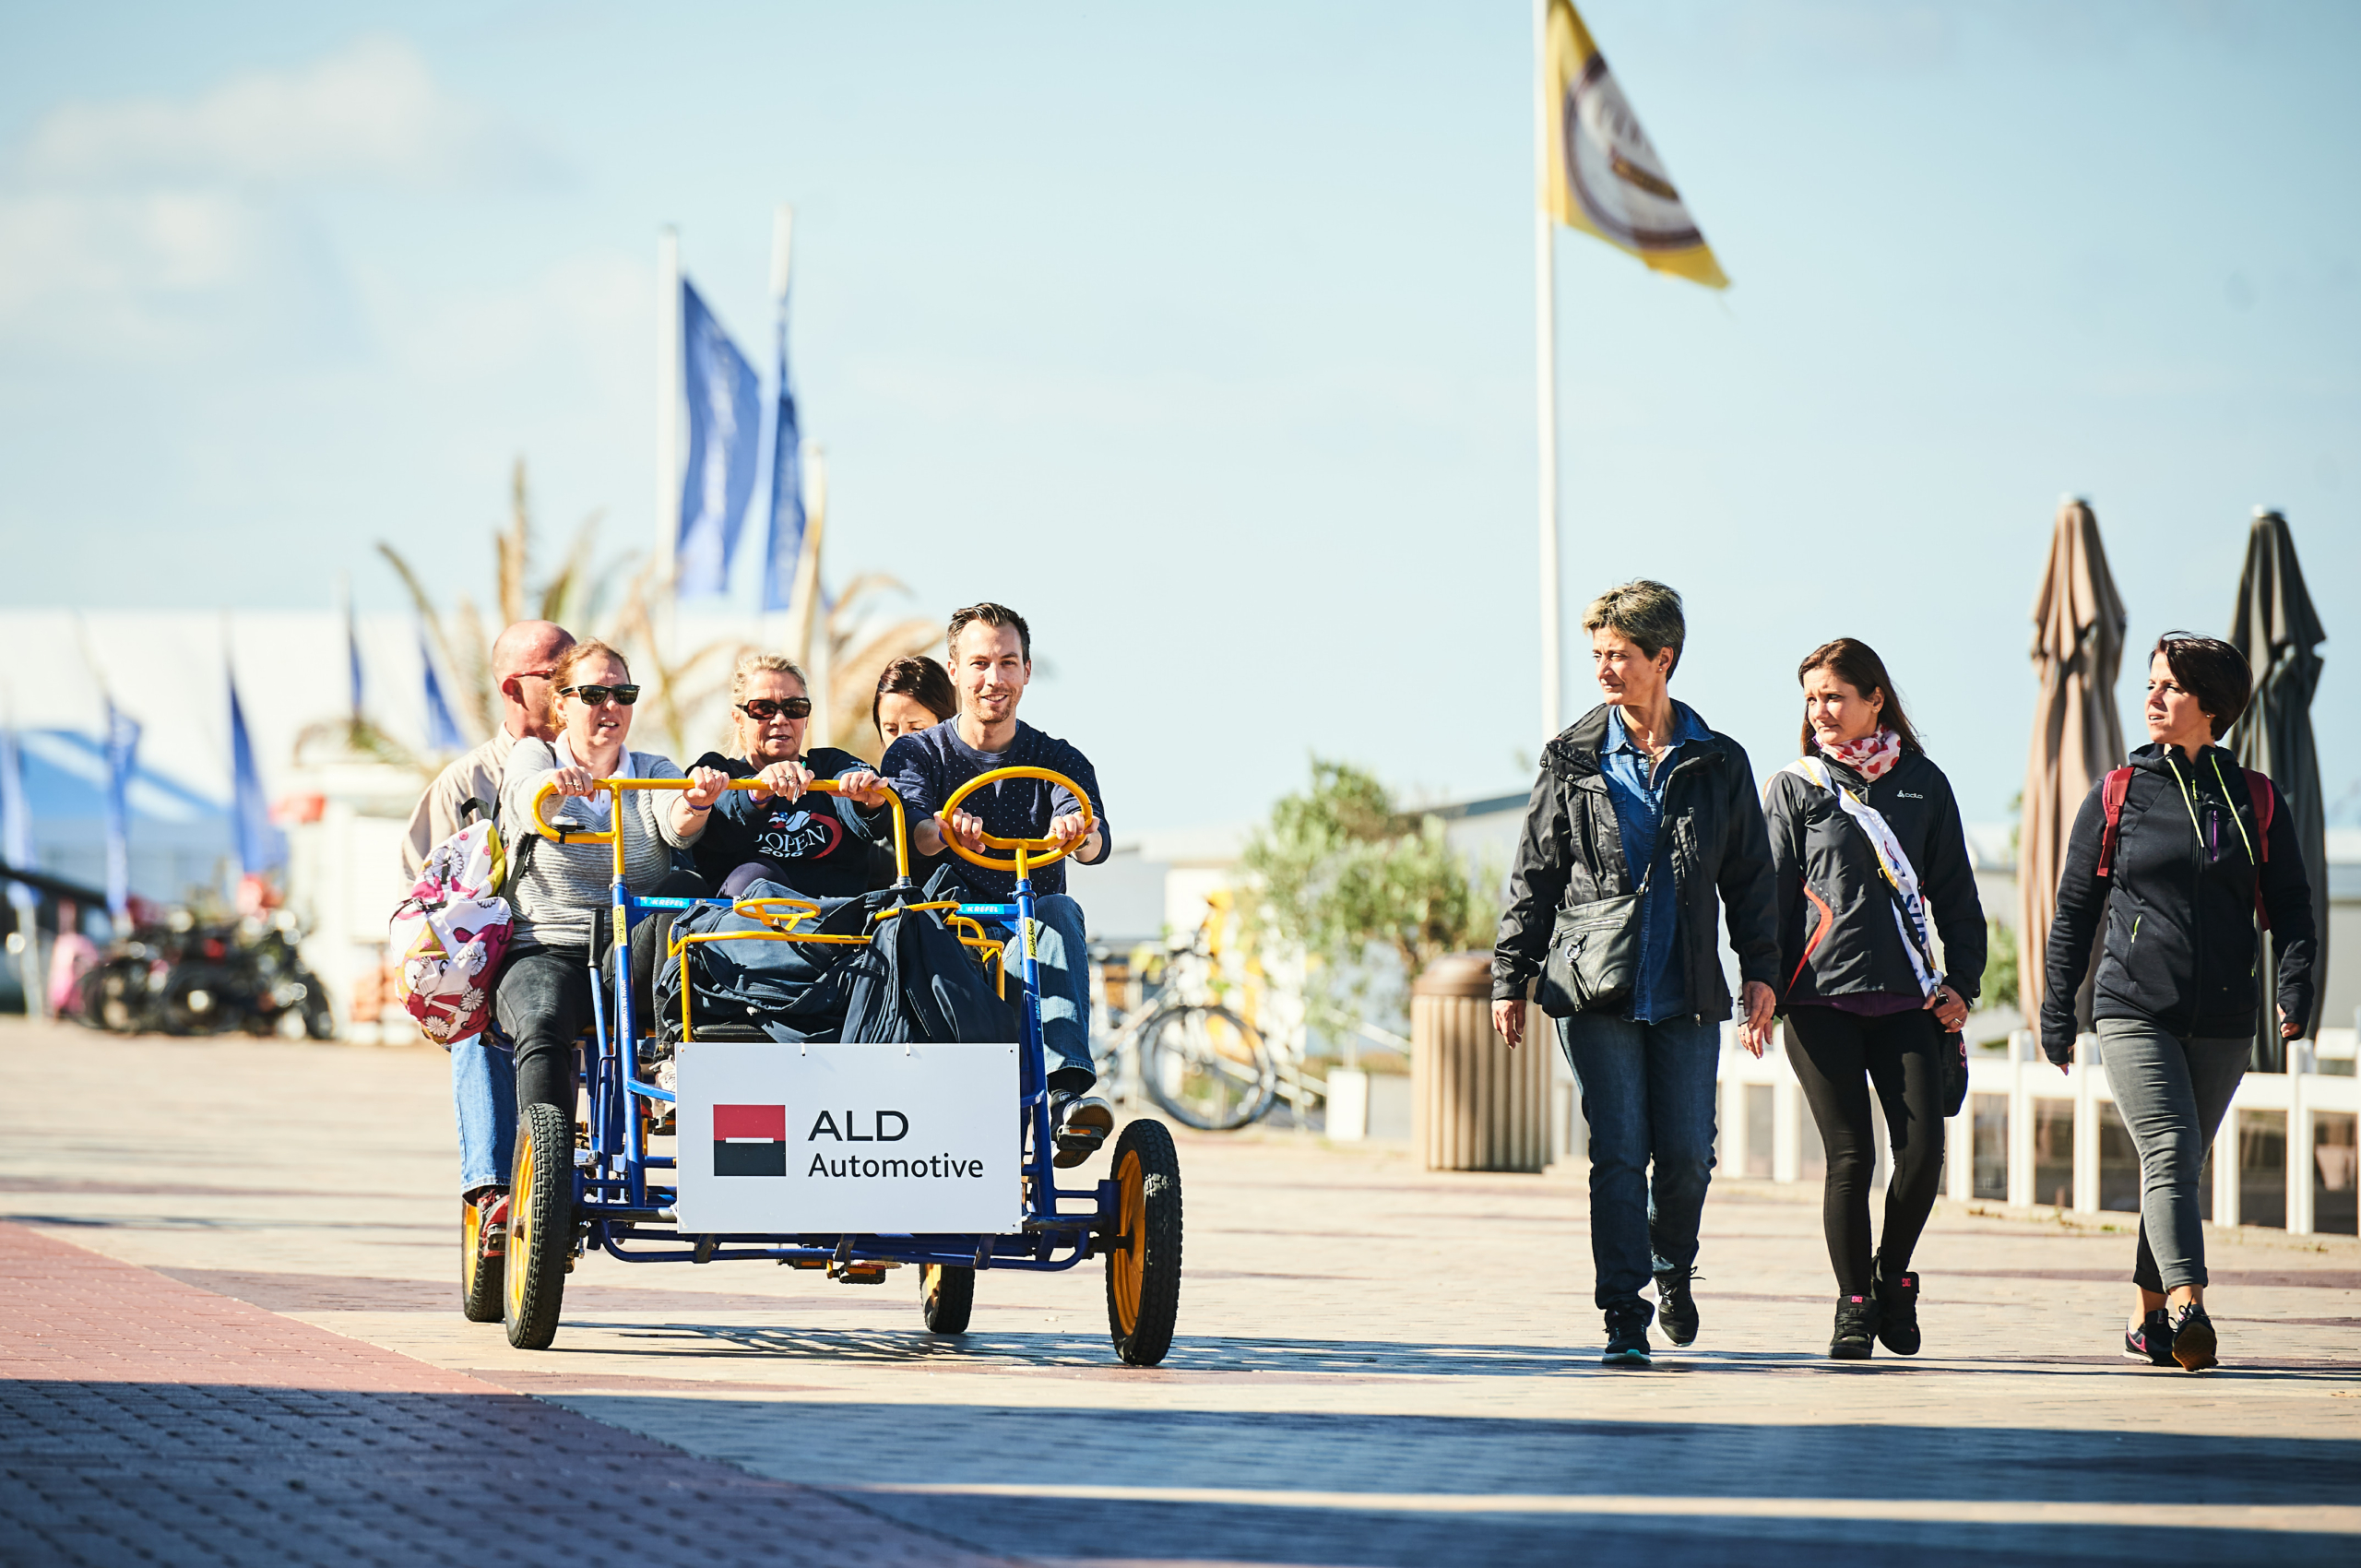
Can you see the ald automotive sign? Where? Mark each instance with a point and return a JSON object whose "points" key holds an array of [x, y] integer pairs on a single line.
{"points": [[782, 1139]]}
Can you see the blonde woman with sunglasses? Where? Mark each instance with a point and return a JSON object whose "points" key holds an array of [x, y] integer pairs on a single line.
{"points": [[819, 844]]}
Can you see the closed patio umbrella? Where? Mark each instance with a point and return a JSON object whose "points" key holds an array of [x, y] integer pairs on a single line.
{"points": [[2077, 648], [2277, 627]]}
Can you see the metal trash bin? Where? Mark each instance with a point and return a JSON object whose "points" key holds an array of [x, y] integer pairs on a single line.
{"points": [[1479, 1105]]}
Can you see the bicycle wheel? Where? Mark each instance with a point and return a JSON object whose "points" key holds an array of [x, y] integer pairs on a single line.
{"points": [[1207, 1068]]}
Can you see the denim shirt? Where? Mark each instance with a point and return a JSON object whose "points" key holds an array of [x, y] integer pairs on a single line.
{"points": [[1662, 991]]}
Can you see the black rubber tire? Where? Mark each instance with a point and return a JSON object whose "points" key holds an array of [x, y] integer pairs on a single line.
{"points": [[1143, 1257], [1243, 1090], [946, 1297], [540, 1227], [480, 1276]]}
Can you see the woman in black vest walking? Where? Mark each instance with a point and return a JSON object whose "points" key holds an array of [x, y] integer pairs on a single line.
{"points": [[2197, 848], [1871, 864]]}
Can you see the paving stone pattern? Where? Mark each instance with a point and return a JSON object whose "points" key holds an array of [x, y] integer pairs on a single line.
{"points": [[1377, 1365], [142, 1419]]}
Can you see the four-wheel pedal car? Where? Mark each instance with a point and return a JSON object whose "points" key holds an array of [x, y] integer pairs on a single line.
{"points": [[851, 1160]]}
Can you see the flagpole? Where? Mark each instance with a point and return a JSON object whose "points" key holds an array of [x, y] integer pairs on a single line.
{"points": [[669, 373], [782, 271], [1545, 290]]}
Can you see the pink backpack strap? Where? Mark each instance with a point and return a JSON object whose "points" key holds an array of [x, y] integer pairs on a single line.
{"points": [[2112, 792]]}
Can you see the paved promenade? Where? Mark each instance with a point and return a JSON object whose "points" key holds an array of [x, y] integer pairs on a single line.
{"points": [[231, 1268]]}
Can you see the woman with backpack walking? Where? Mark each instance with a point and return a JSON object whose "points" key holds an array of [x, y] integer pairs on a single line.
{"points": [[1871, 864], [2192, 848]]}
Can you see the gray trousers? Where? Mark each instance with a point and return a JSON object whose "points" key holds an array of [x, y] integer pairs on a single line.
{"points": [[2171, 1092]]}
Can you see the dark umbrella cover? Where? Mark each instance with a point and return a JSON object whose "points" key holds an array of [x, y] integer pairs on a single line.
{"points": [[2279, 632]]}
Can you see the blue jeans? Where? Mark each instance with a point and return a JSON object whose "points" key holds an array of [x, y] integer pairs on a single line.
{"points": [[1647, 1093], [1061, 954], [483, 1091]]}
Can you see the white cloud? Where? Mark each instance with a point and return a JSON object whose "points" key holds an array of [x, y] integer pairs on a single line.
{"points": [[160, 231], [372, 111]]}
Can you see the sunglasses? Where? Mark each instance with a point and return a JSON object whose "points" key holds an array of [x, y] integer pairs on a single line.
{"points": [[596, 696], [763, 710]]}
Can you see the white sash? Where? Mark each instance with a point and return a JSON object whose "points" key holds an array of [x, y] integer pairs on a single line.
{"points": [[1918, 943]]}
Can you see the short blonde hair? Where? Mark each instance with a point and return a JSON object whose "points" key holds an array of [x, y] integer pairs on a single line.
{"points": [[1644, 610], [751, 663]]}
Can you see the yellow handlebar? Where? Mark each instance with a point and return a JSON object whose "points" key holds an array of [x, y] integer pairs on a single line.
{"points": [[615, 787], [1025, 854]]}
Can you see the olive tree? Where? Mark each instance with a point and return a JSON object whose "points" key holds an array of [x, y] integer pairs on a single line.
{"points": [[1369, 893]]}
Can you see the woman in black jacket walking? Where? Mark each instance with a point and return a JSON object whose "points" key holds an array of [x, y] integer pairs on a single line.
{"points": [[1871, 863], [2196, 848], [1642, 827]]}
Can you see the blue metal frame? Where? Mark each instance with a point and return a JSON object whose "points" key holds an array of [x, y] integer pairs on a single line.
{"points": [[614, 1202]]}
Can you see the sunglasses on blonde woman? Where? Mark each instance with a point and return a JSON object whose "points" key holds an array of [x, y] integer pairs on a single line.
{"points": [[596, 696], [763, 710]]}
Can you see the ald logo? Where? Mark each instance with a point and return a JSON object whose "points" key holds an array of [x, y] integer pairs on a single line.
{"points": [[750, 1140]]}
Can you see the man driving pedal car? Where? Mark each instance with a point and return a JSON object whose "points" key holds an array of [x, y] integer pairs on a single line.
{"points": [[991, 659]]}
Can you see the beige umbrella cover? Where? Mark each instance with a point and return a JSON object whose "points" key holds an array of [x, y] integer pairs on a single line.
{"points": [[2077, 649]]}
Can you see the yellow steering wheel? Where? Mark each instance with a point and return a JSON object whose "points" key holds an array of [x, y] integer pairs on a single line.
{"points": [[1025, 854]]}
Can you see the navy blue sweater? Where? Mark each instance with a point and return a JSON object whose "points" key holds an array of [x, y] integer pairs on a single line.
{"points": [[929, 767]]}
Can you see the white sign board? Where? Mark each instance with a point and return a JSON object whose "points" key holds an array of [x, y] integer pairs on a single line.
{"points": [[877, 1140]]}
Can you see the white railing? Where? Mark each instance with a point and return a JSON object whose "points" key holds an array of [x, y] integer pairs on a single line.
{"points": [[2018, 1087]]}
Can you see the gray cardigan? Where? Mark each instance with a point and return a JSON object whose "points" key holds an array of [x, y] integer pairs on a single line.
{"points": [[562, 887]]}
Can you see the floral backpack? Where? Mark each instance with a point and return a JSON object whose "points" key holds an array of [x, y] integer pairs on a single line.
{"points": [[451, 933]]}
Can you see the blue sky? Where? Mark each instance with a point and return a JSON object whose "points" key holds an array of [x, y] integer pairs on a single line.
{"points": [[1203, 334]]}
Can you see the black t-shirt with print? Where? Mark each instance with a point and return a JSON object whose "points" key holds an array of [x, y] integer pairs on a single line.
{"points": [[819, 844]]}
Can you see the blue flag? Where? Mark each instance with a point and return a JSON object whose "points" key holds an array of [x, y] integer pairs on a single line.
{"points": [[15, 816], [122, 760], [441, 729], [260, 846], [353, 656], [725, 443], [787, 488]]}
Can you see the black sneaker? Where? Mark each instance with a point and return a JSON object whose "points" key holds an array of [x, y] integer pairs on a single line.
{"points": [[1675, 1307], [2152, 1341], [1898, 1312], [1857, 1327], [1079, 1126], [1627, 1339], [2193, 1340]]}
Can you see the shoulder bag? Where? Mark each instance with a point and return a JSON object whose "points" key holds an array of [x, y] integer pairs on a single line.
{"points": [[1909, 913]]}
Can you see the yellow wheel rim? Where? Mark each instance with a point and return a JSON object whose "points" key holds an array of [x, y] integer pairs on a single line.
{"points": [[1129, 1262], [520, 1227], [470, 1246]]}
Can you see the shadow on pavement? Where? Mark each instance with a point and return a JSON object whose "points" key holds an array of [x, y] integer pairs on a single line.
{"points": [[965, 1470]]}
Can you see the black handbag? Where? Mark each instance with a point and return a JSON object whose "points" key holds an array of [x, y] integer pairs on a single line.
{"points": [[1954, 1073], [1594, 960]]}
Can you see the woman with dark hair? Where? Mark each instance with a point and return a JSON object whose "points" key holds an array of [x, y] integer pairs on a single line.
{"points": [[2193, 847], [914, 692], [1871, 865]]}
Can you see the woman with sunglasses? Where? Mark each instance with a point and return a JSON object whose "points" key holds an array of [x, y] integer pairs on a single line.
{"points": [[559, 890], [819, 846]]}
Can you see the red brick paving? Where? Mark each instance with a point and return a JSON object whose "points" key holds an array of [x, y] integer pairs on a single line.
{"points": [[146, 1420]]}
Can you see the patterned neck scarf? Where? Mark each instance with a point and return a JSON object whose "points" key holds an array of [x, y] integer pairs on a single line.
{"points": [[1871, 756]]}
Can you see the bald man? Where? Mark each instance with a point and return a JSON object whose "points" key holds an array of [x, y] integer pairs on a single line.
{"points": [[521, 661], [483, 1079]]}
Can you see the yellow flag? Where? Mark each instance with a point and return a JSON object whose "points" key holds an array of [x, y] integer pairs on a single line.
{"points": [[1604, 177]]}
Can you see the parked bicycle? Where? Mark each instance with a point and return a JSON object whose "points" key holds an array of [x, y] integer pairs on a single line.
{"points": [[1184, 1049]]}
